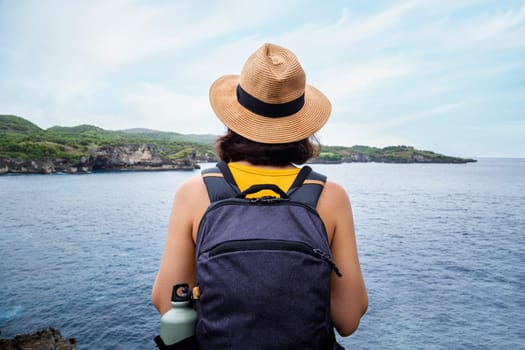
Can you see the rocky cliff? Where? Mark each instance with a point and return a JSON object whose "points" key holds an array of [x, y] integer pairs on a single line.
{"points": [[129, 157], [47, 339]]}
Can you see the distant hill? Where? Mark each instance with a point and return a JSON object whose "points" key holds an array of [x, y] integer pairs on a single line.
{"points": [[14, 124], [172, 136], [21, 139], [77, 130], [390, 154]]}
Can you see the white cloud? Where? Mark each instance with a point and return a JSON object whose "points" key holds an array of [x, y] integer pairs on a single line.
{"points": [[502, 29], [420, 115], [160, 108], [383, 21], [337, 134], [377, 133], [346, 80]]}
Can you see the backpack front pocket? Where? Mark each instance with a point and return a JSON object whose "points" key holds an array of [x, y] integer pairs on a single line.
{"points": [[272, 245]]}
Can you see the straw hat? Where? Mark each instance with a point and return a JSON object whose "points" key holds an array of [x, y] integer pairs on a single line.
{"points": [[270, 101]]}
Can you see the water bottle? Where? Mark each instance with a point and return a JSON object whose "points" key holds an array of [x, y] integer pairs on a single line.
{"points": [[178, 323]]}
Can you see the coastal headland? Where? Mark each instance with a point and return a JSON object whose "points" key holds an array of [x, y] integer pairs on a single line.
{"points": [[26, 148]]}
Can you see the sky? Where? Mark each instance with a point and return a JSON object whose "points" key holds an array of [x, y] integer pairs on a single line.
{"points": [[440, 75]]}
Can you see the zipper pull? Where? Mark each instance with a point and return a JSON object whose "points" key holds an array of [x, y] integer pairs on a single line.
{"points": [[268, 200], [328, 259]]}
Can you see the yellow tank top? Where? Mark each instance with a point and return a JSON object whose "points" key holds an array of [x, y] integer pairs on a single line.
{"points": [[246, 176]]}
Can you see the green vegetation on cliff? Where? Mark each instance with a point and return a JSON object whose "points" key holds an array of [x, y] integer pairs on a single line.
{"points": [[21, 139], [390, 154]]}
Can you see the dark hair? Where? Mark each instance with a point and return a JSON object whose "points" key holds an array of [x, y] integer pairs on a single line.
{"points": [[233, 147]]}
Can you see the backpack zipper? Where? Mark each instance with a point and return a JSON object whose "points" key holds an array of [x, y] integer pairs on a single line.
{"points": [[258, 201], [267, 244], [245, 201], [321, 254]]}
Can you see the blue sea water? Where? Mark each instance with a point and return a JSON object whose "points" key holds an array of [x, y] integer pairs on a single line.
{"points": [[441, 247]]}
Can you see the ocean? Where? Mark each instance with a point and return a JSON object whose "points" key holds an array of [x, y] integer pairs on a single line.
{"points": [[441, 249]]}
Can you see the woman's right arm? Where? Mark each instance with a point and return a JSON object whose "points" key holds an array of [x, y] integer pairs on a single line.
{"points": [[178, 261]]}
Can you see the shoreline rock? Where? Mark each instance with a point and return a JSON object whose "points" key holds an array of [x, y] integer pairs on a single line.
{"points": [[142, 157], [414, 158], [46, 339]]}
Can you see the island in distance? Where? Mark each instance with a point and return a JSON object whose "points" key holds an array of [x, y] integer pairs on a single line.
{"points": [[26, 148]]}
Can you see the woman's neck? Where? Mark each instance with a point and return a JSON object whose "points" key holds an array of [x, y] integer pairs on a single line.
{"points": [[244, 162]]}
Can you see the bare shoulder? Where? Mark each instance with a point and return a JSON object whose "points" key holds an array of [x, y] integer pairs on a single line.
{"points": [[192, 190], [191, 201], [333, 196], [334, 208]]}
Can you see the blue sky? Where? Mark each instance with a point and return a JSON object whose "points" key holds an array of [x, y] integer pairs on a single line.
{"points": [[442, 75]]}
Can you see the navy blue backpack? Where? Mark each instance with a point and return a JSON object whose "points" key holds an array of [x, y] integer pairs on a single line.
{"points": [[263, 267]]}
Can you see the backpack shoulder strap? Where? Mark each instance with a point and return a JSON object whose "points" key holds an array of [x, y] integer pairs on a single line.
{"points": [[219, 182], [307, 186]]}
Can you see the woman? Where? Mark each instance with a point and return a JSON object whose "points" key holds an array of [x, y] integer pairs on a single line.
{"points": [[271, 116]]}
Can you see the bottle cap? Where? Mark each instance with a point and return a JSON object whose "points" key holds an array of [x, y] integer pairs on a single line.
{"points": [[181, 292]]}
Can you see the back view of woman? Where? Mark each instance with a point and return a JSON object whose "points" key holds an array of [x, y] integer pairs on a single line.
{"points": [[272, 116]]}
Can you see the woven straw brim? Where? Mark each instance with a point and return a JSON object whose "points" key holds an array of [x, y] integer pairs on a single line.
{"points": [[301, 125]]}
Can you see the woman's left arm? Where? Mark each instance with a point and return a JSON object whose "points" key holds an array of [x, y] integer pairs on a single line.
{"points": [[349, 298]]}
